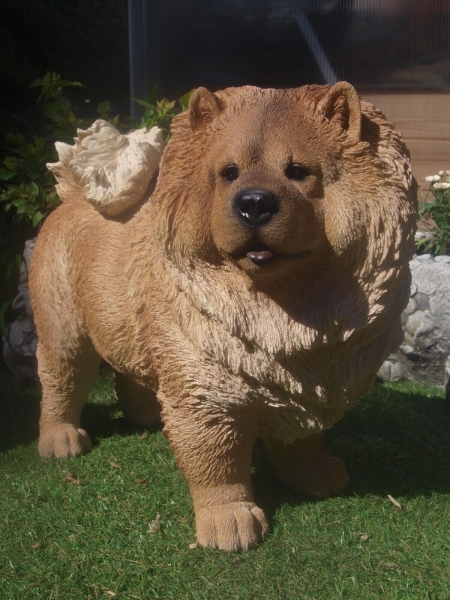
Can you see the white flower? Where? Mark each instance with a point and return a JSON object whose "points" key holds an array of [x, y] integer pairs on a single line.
{"points": [[441, 173], [441, 186], [433, 178]]}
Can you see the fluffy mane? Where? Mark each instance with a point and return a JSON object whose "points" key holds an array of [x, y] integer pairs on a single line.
{"points": [[376, 237]]}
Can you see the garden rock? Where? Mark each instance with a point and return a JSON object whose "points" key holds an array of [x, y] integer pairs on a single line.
{"points": [[20, 341], [426, 323]]}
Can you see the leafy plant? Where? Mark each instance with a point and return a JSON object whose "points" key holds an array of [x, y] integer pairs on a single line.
{"points": [[28, 190], [160, 112], [57, 107], [435, 214], [103, 109], [9, 266]]}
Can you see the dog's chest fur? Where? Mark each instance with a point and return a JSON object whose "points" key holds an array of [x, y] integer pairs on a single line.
{"points": [[241, 352]]}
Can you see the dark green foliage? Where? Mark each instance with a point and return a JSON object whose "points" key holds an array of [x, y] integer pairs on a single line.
{"points": [[161, 112], [28, 188], [435, 214]]}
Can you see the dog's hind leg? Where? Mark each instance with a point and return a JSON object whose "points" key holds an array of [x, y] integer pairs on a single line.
{"points": [[139, 404], [68, 363], [66, 383], [304, 466]]}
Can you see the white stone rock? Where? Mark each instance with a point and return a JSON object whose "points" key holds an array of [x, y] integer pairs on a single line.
{"points": [[385, 371], [397, 371], [422, 234], [406, 349], [422, 301], [426, 275], [413, 322], [447, 372], [426, 343], [442, 259], [425, 257], [411, 307], [440, 306], [409, 339]]}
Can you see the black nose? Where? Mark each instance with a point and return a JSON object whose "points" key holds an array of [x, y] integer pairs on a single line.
{"points": [[256, 207]]}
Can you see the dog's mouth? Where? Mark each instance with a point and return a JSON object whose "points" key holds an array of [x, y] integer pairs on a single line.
{"points": [[260, 254]]}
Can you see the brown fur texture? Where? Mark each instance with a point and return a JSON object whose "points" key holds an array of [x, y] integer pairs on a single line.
{"points": [[238, 330]]}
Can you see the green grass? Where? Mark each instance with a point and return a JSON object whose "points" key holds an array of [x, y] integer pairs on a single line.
{"points": [[79, 528]]}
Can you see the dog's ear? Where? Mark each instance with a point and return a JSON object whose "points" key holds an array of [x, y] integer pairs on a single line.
{"points": [[341, 106], [204, 107]]}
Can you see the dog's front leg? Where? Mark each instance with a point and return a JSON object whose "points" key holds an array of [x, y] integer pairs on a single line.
{"points": [[214, 451]]}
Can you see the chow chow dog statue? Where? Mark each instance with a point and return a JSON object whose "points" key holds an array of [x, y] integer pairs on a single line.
{"points": [[252, 292]]}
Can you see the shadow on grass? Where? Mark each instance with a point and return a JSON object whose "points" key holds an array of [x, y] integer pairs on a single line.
{"points": [[102, 421], [19, 413], [392, 442], [396, 441]]}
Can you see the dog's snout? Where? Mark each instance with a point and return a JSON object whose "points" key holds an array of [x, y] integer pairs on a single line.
{"points": [[256, 207]]}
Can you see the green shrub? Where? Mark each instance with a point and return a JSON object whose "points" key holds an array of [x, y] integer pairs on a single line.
{"points": [[160, 112], [435, 214]]}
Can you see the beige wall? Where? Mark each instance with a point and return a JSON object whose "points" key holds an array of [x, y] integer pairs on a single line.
{"points": [[424, 121]]}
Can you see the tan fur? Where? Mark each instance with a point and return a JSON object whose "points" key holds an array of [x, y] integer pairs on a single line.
{"points": [[235, 350]]}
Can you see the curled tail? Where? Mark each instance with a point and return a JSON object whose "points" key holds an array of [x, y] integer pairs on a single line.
{"points": [[112, 170]]}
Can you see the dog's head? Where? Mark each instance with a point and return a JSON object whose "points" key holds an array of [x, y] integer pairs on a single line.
{"points": [[278, 182]]}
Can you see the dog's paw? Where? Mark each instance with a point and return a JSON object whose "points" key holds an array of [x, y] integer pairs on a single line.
{"points": [[231, 527], [63, 441]]}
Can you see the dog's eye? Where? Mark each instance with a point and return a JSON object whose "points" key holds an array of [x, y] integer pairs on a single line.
{"points": [[296, 172], [230, 173]]}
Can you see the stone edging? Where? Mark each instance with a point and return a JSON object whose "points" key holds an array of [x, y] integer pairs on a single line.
{"points": [[426, 324]]}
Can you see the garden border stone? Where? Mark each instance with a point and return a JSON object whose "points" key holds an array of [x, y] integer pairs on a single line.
{"points": [[426, 325]]}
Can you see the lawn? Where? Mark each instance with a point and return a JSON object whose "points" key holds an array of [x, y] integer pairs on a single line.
{"points": [[118, 522]]}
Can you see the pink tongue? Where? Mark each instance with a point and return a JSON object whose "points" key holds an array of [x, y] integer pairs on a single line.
{"points": [[260, 257]]}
